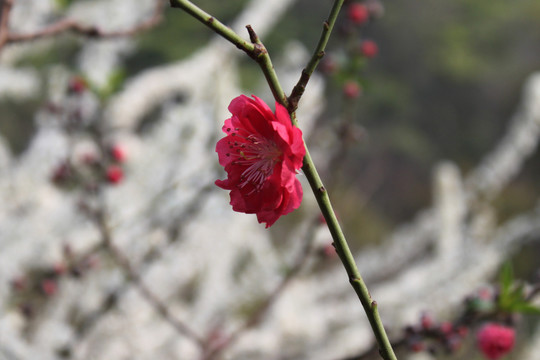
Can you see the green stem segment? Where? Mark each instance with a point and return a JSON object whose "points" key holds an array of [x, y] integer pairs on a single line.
{"points": [[258, 52], [318, 54], [344, 252], [213, 24], [255, 49]]}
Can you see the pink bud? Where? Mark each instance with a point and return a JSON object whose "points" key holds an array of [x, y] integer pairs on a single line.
{"points": [[351, 89], [358, 13], [118, 153], [426, 321], [369, 48], [446, 328], [115, 174], [49, 287], [77, 85]]}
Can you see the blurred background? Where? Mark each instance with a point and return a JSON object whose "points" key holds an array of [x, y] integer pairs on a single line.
{"points": [[442, 85]]}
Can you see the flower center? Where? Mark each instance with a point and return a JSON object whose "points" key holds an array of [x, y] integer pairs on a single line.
{"points": [[259, 155]]}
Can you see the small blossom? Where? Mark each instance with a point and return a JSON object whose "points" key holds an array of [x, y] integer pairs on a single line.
{"points": [[417, 345], [369, 48], [49, 287], [77, 85], [358, 13], [118, 153], [261, 154], [426, 321], [114, 174], [446, 328], [352, 89], [495, 340], [61, 173]]}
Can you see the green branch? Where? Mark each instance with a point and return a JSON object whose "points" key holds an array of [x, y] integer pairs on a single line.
{"points": [[346, 257], [318, 54], [213, 24], [258, 52]]}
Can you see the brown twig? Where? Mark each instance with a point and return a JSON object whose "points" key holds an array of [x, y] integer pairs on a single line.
{"points": [[4, 21], [133, 275], [70, 25], [192, 209]]}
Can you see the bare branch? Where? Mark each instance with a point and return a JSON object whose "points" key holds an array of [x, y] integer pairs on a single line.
{"points": [[134, 276], [74, 26]]}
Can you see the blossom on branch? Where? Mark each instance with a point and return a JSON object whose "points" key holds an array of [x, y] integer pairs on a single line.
{"points": [[495, 340], [261, 154]]}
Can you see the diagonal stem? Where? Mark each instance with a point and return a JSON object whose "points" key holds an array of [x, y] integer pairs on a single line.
{"points": [[318, 54], [255, 50], [258, 52], [163, 310]]}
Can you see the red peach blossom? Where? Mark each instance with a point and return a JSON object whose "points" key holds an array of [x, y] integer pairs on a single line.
{"points": [[495, 340], [118, 153], [49, 287], [369, 48], [358, 13], [114, 174], [352, 89], [77, 85], [261, 154]]}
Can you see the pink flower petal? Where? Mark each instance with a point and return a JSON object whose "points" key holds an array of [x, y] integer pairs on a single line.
{"points": [[261, 154]]}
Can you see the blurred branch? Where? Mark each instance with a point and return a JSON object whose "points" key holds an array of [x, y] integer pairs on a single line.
{"points": [[134, 276], [69, 25], [4, 21]]}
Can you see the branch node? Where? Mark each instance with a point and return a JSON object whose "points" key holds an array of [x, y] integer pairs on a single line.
{"points": [[252, 35]]}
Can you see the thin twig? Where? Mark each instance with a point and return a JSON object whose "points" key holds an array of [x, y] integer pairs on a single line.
{"points": [[318, 54], [124, 262], [190, 210], [4, 21], [214, 24]]}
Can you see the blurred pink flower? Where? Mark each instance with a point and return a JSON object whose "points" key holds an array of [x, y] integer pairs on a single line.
{"points": [[369, 48], [495, 340], [114, 174], [358, 13]]}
